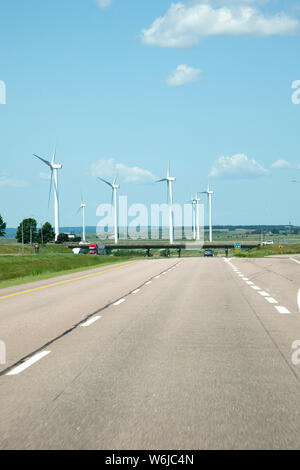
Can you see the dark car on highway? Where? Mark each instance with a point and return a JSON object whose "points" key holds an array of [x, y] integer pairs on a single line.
{"points": [[208, 253]]}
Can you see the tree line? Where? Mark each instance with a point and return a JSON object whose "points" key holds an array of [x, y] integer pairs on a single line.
{"points": [[28, 232]]}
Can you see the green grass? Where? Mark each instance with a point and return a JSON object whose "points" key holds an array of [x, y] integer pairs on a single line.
{"points": [[270, 250], [17, 269], [17, 249]]}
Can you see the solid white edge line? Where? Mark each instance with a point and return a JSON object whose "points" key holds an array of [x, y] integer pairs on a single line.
{"points": [[295, 260], [91, 321], [135, 291], [37, 357], [148, 283]]}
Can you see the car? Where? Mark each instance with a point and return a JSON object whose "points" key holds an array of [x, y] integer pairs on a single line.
{"points": [[268, 242], [208, 252]]}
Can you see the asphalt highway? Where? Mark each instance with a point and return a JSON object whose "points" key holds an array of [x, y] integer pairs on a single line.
{"points": [[155, 354]]}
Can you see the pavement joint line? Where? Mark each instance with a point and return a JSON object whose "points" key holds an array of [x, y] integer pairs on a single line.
{"points": [[66, 281], [91, 321], [135, 291], [60, 336], [282, 310], [148, 283], [20, 368]]}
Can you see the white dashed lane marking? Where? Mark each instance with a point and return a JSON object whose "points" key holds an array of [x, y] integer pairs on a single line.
{"points": [[119, 302], [91, 321], [37, 357], [271, 300], [264, 294], [282, 310]]}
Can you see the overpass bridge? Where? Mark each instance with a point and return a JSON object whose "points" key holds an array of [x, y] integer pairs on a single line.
{"points": [[160, 245]]}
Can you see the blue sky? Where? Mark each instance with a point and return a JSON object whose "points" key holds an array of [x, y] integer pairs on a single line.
{"points": [[207, 86]]}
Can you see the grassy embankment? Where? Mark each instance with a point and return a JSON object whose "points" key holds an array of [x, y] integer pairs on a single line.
{"points": [[52, 261], [270, 250]]}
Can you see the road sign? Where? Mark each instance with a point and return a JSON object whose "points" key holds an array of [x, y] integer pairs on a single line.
{"points": [[237, 246]]}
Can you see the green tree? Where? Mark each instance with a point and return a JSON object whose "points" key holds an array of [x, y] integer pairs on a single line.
{"points": [[2, 227], [46, 233], [62, 238], [29, 230]]}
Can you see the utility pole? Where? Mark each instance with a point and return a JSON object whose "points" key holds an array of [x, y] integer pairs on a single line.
{"points": [[22, 238]]}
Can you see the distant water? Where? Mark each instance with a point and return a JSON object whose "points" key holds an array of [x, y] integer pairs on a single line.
{"points": [[11, 232]]}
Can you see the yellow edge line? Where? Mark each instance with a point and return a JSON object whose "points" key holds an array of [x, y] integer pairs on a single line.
{"points": [[66, 281]]}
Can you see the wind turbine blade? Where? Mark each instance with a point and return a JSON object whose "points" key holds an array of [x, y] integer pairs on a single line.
{"points": [[104, 181], [43, 160], [53, 156], [159, 181], [77, 212], [51, 179]]}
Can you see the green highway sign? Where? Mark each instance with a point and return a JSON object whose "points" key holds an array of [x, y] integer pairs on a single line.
{"points": [[237, 246]]}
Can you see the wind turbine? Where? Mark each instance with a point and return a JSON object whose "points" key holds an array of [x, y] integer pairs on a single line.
{"points": [[114, 186], [197, 200], [169, 179], [53, 167], [209, 195], [193, 202], [82, 208]]}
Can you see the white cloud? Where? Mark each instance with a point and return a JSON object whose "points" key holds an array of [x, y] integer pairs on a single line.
{"points": [[182, 75], [109, 168], [237, 167], [45, 176], [183, 25], [279, 164], [6, 181], [104, 3]]}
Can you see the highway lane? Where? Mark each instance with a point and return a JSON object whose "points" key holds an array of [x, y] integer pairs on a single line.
{"points": [[279, 276], [195, 358], [33, 314]]}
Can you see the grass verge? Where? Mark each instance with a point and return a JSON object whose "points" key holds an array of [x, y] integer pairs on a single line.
{"points": [[270, 250], [20, 270]]}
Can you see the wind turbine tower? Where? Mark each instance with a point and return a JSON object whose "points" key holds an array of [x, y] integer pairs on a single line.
{"points": [[197, 200], [114, 186], [170, 179], [82, 208], [209, 195], [54, 167]]}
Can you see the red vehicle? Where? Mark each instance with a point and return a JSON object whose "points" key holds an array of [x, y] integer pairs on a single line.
{"points": [[93, 249]]}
